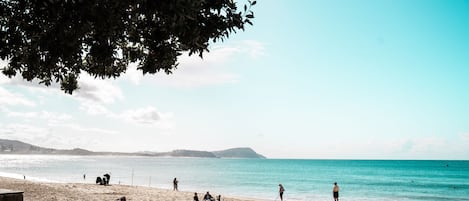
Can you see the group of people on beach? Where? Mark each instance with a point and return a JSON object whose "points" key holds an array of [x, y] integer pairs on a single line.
{"points": [[207, 197], [281, 190], [335, 192], [102, 181]]}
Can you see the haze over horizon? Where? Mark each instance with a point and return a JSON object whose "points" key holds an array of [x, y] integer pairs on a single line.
{"points": [[310, 79]]}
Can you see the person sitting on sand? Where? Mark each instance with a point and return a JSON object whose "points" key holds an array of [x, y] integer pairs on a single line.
{"points": [[99, 180], [280, 191], [108, 177], [196, 197], [208, 197], [335, 192]]}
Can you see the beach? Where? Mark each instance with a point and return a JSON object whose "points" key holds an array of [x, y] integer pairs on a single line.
{"points": [[41, 191], [62, 178]]}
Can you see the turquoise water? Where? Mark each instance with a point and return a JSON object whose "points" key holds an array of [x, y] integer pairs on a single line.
{"points": [[259, 178]]}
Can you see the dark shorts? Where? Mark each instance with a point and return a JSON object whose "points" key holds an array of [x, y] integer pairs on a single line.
{"points": [[336, 194]]}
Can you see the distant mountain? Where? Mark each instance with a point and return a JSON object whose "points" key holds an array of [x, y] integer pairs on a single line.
{"points": [[244, 152], [187, 153], [18, 147]]}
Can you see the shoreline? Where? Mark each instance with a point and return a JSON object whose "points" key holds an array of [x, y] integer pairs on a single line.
{"points": [[45, 191]]}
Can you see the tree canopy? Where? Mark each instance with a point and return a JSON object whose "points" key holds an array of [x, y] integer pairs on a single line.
{"points": [[55, 40]]}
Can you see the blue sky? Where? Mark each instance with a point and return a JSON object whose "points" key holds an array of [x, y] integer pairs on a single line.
{"points": [[310, 79]]}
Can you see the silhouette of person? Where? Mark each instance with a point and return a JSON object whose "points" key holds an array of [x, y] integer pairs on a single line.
{"points": [[208, 197], [108, 177], [175, 184], [99, 180], [280, 191], [196, 197], [335, 192]]}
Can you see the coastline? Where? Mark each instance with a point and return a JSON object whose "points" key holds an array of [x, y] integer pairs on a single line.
{"points": [[45, 191], [241, 180]]}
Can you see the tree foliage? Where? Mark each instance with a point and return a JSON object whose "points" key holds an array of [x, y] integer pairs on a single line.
{"points": [[55, 40]]}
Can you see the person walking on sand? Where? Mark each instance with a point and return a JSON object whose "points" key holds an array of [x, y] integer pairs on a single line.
{"points": [[196, 197], [335, 192], [280, 191], [175, 184]]}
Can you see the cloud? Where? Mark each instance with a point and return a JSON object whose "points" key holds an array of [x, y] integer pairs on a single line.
{"points": [[10, 98], [147, 116], [98, 90], [85, 129], [255, 49], [24, 131], [93, 108], [62, 136], [194, 71], [132, 74], [51, 117]]}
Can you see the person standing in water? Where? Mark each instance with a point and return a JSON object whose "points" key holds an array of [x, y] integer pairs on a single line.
{"points": [[280, 191], [335, 192]]}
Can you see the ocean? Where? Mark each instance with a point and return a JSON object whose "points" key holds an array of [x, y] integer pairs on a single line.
{"points": [[400, 180]]}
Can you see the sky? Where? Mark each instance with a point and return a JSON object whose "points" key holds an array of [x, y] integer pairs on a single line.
{"points": [[359, 79]]}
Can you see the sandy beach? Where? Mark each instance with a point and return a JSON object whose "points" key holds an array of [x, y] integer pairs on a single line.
{"points": [[39, 191]]}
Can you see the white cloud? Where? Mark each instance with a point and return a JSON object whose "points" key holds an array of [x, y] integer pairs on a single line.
{"points": [[255, 49], [85, 129], [51, 117], [147, 116], [60, 135], [194, 71], [93, 108], [104, 91], [98, 90], [24, 132], [132, 74], [10, 98]]}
